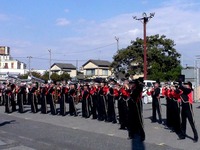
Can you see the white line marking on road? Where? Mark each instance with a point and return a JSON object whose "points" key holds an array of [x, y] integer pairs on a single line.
{"points": [[111, 134], [26, 138], [27, 118], [2, 131], [161, 144], [75, 128], [41, 142]]}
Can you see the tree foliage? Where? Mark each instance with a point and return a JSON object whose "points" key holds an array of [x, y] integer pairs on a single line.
{"points": [[162, 57], [45, 76]]}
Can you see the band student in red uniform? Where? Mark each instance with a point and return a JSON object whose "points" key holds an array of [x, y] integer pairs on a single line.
{"points": [[187, 111]]}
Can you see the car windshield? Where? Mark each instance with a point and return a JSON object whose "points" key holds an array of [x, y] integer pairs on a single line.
{"points": [[149, 84]]}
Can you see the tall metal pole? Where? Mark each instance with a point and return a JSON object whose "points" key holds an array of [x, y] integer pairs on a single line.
{"points": [[117, 39], [49, 64], [145, 20], [145, 50], [29, 63]]}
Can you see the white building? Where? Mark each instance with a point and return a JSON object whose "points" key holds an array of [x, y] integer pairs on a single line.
{"points": [[61, 68], [96, 68], [8, 64]]}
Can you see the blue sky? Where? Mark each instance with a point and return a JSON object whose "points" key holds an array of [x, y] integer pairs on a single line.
{"points": [[86, 29]]}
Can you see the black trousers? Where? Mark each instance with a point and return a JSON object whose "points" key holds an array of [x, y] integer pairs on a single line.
{"points": [[8, 108], [135, 120], [34, 103], [187, 113], [62, 105], [94, 106], [169, 112], [123, 112], [176, 124], [20, 101], [102, 108], [44, 104], [52, 105], [156, 107], [111, 109], [72, 106]]}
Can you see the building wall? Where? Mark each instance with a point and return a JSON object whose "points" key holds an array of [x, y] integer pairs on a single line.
{"points": [[56, 69], [90, 65], [73, 73], [98, 71], [16, 71]]}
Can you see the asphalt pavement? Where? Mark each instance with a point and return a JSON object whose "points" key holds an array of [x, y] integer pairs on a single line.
{"points": [[38, 131]]}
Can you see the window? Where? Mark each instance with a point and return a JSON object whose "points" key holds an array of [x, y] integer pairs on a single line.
{"points": [[6, 66], [105, 72], [12, 65], [90, 72]]}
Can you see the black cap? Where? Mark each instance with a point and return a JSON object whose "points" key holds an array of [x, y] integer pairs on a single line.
{"points": [[158, 81], [189, 83]]}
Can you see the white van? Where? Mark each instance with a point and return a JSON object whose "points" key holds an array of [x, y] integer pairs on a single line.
{"points": [[149, 83]]}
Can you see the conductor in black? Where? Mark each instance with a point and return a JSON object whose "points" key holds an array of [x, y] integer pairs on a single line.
{"points": [[156, 106]]}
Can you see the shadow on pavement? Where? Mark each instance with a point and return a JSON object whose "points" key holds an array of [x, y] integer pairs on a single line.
{"points": [[137, 144], [198, 107], [6, 122]]}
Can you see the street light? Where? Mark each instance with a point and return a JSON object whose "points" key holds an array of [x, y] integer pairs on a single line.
{"points": [[145, 20]]}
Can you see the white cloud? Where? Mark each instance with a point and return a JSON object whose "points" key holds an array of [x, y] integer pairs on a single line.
{"points": [[62, 22], [178, 22]]}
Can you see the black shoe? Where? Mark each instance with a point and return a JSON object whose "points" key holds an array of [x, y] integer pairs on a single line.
{"points": [[114, 122], [122, 128], [195, 140]]}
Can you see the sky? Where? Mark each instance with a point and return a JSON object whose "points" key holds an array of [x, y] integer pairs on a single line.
{"points": [[78, 30]]}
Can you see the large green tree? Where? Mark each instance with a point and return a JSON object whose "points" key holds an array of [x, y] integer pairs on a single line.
{"points": [[163, 58]]}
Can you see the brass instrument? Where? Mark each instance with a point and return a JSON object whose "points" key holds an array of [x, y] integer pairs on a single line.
{"points": [[77, 96]]}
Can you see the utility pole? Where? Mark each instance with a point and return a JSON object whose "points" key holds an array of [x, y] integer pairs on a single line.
{"points": [[29, 63], [117, 39], [77, 64], [49, 64], [145, 20]]}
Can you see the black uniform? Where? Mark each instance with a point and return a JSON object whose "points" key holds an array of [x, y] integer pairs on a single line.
{"points": [[33, 100], [21, 96], [156, 106], [43, 94], [135, 117], [111, 106], [72, 105], [187, 112]]}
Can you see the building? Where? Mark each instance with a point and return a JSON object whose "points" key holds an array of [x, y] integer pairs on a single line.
{"points": [[61, 68], [10, 65], [192, 74], [96, 68]]}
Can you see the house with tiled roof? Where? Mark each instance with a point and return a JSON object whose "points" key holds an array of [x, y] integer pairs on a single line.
{"points": [[96, 68], [61, 68]]}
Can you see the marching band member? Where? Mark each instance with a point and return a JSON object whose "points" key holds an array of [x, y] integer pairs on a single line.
{"points": [[187, 110], [156, 106], [135, 117], [72, 96]]}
